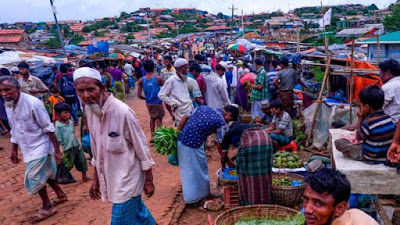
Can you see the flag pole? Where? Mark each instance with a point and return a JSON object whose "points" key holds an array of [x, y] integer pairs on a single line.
{"points": [[326, 43]]}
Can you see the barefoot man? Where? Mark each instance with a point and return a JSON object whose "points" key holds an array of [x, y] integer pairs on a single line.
{"points": [[121, 156], [33, 132]]}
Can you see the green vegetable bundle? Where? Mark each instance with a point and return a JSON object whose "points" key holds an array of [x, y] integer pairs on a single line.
{"points": [[298, 132], [299, 219], [165, 141]]}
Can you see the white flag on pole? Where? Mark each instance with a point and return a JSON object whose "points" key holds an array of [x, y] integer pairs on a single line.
{"points": [[327, 19]]}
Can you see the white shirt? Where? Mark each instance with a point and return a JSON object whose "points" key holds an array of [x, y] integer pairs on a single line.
{"points": [[242, 72], [392, 98], [30, 123], [234, 77], [129, 69], [216, 94], [120, 161], [175, 93]]}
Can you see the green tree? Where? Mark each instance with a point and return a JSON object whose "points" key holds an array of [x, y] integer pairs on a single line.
{"points": [[220, 15], [76, 39], [372, 7], [124, 15], [53, 43], [392, 22], [331, 38]]}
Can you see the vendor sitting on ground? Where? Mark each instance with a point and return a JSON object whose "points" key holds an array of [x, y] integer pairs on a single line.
{"points": [[267, 118], [375, 129], [326, 198], [281, 128]]}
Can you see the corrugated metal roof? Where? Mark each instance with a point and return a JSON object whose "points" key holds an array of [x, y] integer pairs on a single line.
{"points": [[10, 39], [389, 38], [11, 31]]}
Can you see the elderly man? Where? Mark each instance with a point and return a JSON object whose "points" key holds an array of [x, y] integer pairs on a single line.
{"points": [[121, 156], [30, 84], [325, 200], [33, 132], [216, 94], [175, 93]]}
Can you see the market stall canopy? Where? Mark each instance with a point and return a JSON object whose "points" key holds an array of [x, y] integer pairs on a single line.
{"points": [[17, 56], [247, 44], [237, 47], [117, 56], [271, 52], [135, 54]]}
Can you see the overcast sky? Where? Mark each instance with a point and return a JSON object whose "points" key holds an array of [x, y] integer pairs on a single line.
{"points": [[40, 10]]}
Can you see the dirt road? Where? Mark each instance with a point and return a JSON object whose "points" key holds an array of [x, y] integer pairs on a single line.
{"points": [[16, 207]]}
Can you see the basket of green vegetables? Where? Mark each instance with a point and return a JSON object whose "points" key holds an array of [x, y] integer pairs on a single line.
{"points": [[165, 143], [260, 215]]}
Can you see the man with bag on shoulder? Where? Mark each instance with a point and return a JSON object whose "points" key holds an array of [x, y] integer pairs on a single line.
{"points": [[33, 132], [67, 89]]}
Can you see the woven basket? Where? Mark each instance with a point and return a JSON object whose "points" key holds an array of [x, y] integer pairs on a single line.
{"points": [[231, 216], [287, 196]]}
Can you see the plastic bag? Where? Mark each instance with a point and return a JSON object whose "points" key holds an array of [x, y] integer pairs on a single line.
{"points": [[86, 140], [173, 160], [63, 176]]}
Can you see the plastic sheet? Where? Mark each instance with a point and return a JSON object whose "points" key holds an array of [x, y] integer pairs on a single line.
{"points": [[326, 116]]}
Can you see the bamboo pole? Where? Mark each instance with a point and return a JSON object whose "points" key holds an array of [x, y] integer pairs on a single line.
{"points": [[381, 211], [378, 46], [351, 82], [319, 100]]}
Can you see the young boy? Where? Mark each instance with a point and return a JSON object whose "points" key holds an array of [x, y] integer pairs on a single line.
{"points": [[375, 129], [281, 128], [65, 133], [54, 99]]}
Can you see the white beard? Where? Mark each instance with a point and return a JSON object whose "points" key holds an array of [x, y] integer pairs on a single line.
{"points": [[9, 104], [94, 109]]}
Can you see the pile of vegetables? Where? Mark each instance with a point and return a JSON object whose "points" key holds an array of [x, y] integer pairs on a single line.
{"points": [[165, 141], [298, 219], [284, 159], [298, 131], [285, 182]]}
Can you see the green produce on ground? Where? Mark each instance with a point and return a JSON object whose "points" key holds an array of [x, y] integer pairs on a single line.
{"points": [[284, 159], [165, 141], [299, 219], [298, 133]]}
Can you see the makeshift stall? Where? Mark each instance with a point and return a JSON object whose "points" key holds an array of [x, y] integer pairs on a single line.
{"points": [[364, 178]]}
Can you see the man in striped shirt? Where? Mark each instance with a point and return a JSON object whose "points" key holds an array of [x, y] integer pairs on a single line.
{"points": [[375, 129]]}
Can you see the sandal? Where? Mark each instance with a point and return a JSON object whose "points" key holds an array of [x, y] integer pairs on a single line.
{"points": [[58, 201], [43, 214]]}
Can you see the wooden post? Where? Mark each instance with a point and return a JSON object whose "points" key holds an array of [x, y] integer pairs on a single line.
{"points": [[351, 82], [319, 100], [298, 38], [381, 212], [378, 46]]}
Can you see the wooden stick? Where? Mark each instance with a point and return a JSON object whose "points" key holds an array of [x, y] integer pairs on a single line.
{"points": [[378, 46], [382, 214], [319, 100], [351, 82]]}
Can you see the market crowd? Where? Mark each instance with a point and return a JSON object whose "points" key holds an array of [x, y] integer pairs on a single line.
{"points": [[207, 97]]}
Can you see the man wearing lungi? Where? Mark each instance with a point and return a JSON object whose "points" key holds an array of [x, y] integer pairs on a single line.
{"points": [[286, 79], [121, 156], [33, 132]]}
